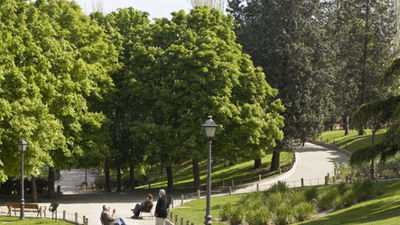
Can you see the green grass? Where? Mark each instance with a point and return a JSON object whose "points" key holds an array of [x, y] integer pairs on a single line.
{"points": [[196, 210], [240, 172], [352, 141], [30, 221], [383, 210]]}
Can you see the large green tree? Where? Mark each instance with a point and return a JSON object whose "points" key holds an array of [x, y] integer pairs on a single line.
{"points": [[287, 39], [190, 67]]}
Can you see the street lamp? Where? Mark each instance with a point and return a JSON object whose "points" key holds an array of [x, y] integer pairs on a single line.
{"points": [[209, 128], [22, 145]]}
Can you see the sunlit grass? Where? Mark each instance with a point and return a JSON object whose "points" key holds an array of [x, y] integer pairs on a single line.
{"points": [[30, 221]]}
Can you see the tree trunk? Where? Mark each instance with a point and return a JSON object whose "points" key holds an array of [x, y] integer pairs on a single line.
{"points": [[257, 163], [346, 125], [119, 184], [361, 131], [275, 160], [34, 190], [161, 167], [170, 185], [196, 175], [107, 185], [50, 190], [131, 177]]}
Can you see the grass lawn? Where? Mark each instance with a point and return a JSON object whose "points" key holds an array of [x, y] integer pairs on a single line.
{"points": [[195, 211], [384, 210], [30, 221], [240, 172], [352, 141]]}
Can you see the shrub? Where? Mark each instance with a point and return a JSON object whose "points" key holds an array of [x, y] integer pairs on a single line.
{"points": [[363, 189], [296, 197], [303, 211], [226, 210], [311, 194], [342, 188], [253, 200], [327, 199], [283, 215], [237, 215], [258, 216], [275, 200], [279, 187], [348, 198]]}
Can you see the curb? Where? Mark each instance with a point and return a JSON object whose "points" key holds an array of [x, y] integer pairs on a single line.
{"points": [[342, 150]]}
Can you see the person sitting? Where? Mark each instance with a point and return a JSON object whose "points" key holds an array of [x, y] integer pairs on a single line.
{"points": [[107, 219], [146, 206]]}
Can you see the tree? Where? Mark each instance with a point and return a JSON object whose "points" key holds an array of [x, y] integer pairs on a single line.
{"points": [[288, 41], [377, 113], [217, 4], [364, 31], [194, 68]]}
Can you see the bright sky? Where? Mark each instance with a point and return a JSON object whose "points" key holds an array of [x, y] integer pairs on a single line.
{"points": [[156, 8]]}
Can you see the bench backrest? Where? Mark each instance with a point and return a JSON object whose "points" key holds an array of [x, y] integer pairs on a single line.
{"points": [[27, 205]]}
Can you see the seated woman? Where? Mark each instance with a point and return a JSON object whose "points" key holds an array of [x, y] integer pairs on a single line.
{"points": [[146, 206]]}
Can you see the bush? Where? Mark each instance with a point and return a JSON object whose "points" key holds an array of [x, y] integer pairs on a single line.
{"points": [[237, 215], [253, 200], [311, 194], [279, 187], [326, 200], [342, 188], [363, 189], [225, 211], [258, 216], [303, 211], [283, 215], [349, 198], [274, 201], [296, 197]]}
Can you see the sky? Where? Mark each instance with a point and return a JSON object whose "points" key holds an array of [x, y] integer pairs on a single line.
{"points": [[156, 8]]}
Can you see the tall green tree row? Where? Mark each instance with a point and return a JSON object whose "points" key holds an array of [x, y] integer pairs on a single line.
{"points": [[288, 40], [174, 74], [54, 69]]}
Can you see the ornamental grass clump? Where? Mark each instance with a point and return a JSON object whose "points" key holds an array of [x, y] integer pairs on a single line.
{"points": [[258, 216], [226, 210], [278, 187], [327, 200], [311, 194], [363, 189], [283, 215], [237, 215], [303, 211]]}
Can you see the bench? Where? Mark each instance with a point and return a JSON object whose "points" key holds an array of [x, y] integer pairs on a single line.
{"points": [[29, 207], [148, 211]]}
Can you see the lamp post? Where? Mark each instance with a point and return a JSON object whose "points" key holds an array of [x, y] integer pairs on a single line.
{"points": [[209, 128], [22, 145]]}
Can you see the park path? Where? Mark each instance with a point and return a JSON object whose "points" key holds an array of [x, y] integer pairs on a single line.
{"points": [[312, 163]]}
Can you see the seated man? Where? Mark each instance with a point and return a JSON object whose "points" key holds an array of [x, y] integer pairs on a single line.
{"points": [[146, 206], [107, 219]]}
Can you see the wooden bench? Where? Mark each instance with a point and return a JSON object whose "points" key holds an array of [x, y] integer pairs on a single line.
{"points": [[29, 207]]}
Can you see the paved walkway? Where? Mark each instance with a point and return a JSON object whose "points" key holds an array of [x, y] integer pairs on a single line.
{"points": [[312, 163]]}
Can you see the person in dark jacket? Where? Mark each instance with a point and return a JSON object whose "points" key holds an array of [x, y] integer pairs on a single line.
{"points": [[146, 206], [161, 208]]}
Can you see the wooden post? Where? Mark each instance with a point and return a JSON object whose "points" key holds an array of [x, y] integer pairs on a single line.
{"points": [[181, 220], [302, 182], [76, 217], [187, 222], [171, 216], [258, 187], [182, 200], [64, 215], [84, 219], [230, 190], [44, 213], [259, 177], [198, 193], [326, 180], [87, 221], [149, 186], [327, 175], [233, 183], [176, 219]]}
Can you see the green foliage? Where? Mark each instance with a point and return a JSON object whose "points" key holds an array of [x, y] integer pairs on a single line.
{"points": [[311, 194], [363, 189], [226, 210], [279, 187], [237, 215], [259, 216], [328, 199], [283, 215], [303, 211]]}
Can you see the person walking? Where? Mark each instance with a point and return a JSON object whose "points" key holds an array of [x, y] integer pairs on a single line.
{"points": [[161, 208]]}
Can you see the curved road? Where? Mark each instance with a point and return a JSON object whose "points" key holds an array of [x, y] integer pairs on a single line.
{"points": [[313, 162]]}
